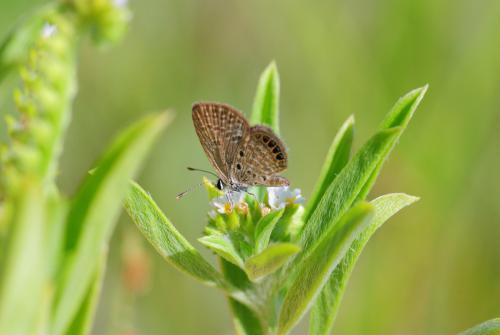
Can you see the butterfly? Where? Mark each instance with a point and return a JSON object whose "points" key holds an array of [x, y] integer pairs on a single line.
{"points": [[242, 155]]}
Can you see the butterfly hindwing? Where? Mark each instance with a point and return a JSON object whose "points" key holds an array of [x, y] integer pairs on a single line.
{"points": [[259, 158]]}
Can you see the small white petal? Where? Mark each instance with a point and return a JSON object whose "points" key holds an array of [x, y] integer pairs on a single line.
{"points": [[300, 200], [280, 197], [277, 197], [48, 30]]}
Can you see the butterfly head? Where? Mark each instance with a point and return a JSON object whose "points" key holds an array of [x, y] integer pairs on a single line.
{"points": [[230, 186]]}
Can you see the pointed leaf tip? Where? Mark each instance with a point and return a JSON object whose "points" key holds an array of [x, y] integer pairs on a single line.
{"points": [[269, 260], [337, 157], [266, 102], [402, 112]]}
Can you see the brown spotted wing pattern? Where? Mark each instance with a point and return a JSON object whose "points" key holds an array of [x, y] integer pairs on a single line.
{"points": [[242, 155]]}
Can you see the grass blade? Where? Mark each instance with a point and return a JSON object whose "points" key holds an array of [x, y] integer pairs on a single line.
{"points": [[167, 241], [24, 276], [326, 306], [266, 103], [82, 324], [490, 327], [336, 159], [93, 213], [269, 260], [355, 180], [314, 270]]}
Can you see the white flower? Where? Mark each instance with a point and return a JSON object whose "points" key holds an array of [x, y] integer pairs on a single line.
{"points": [[279, 197], [48, 30], [120, 3], [224, 204]]}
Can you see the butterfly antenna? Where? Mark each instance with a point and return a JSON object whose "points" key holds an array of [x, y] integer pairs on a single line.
{"points": [[180, 195], [201, 170]]}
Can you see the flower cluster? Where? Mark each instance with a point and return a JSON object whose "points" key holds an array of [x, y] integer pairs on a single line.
{"points": [[255, 234], [277, 198]]}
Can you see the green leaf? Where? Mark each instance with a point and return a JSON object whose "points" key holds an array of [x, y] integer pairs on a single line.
{"points": [[266, 102], [269, 260], [82, 324], [222, 246], [264, 228], [289, 224], [313, 271], [235, 276], [244, 319], [399, 116], [344, 189], [93, 214], [326, 306], [56, 210], [24, 276], [336, 159], [357, 177], [167, 241], [490, 327], [402, 112]]}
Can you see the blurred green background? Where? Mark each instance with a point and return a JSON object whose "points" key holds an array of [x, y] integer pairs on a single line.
{"points": [[434, 269]]}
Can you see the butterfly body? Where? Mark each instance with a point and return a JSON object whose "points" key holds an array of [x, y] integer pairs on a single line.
{"points": [[242, 155]]}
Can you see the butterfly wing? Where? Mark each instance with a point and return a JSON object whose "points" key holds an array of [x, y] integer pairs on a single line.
{"points": [[220, 129], [259, 158]]}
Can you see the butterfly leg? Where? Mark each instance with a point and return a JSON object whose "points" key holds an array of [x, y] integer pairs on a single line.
{"points": [[229, 198], [252, 194]]}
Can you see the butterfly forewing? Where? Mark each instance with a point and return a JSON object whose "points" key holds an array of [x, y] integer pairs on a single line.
{"points": [[242, 155], [220, 129]]}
